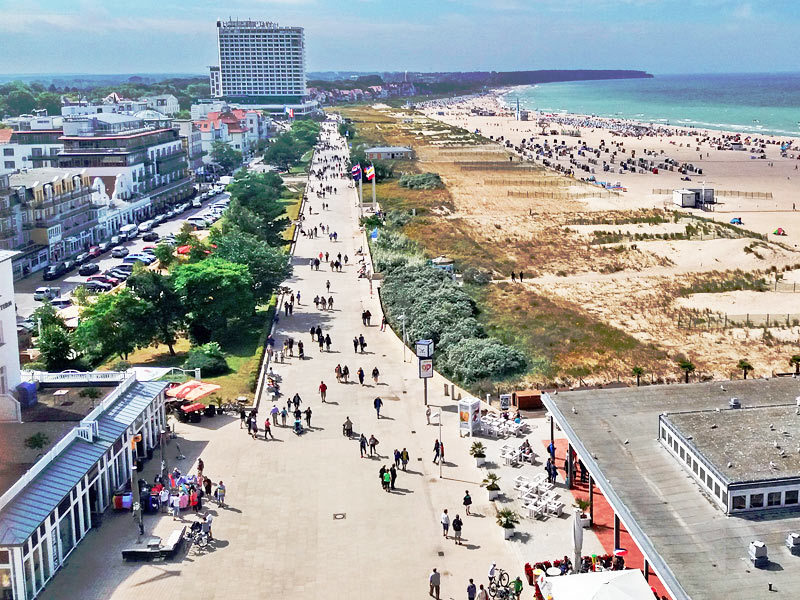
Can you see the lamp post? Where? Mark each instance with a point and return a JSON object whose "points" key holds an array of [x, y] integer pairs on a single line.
{"points": [[403, 319], [441, 460]]}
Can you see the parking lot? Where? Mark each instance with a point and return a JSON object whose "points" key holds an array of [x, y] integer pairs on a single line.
{"points": [[25, 287]]}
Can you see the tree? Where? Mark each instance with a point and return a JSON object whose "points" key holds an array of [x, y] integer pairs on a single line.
{"points": [[638, 371], [46, 316], [284, 151], [56, 347], [20, 102], [687, 367], [50, 102], [165, 254], [214, 292], [268, 266], [80, 296], [225, 156], [795, 360], [256, 208], [185, 234], [745, 366], [115, 324], [163, 304]]}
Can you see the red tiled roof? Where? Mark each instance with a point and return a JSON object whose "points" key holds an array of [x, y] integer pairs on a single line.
{"points": [[5, 135]]}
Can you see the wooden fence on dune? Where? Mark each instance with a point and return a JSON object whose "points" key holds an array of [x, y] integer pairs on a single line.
{"points": [[721, 193]]}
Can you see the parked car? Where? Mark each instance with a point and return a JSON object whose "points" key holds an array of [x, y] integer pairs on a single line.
{"points": [[96, 287], [46, 293], [126, 268], [196, 203], [59, 303], [120, 252], [150, 236], [94, 251], [115, 240], [105, 247], [89, 269], [82, 258], [140, 256], [159, 219], [105, 278], [54, 272], [117, 273], [69, 265], [146, 226]]}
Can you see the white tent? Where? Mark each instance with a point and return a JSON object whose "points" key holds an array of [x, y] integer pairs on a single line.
{"points": [[603, 585]]}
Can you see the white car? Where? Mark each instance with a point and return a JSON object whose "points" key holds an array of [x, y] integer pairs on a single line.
{"points": [[198, 222], [196, 203], [46, 293]]}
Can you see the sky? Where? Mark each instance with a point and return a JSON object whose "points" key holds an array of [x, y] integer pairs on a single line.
{"points": [[179, 36]]}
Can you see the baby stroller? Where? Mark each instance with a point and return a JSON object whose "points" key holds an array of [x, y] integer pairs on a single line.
{"points": [[197, 535]]}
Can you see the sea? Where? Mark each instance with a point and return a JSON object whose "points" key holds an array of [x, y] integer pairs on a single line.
{"points": [[767, 103]]}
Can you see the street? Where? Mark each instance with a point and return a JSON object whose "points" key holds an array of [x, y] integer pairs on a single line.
{"points": [[24, 288]]}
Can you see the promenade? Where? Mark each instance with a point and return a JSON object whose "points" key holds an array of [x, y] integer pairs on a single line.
{"points": [[306, 515]]}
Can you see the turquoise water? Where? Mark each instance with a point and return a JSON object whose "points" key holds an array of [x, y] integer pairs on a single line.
{"points": [[752, 103]]}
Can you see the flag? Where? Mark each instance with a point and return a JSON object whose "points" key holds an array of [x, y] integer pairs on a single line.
{"points": [[289, 111], [374, 234], [369, 172], [357, 172]]}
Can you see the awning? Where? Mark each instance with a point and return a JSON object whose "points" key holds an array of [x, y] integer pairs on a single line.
{"points": [[192, 390], [193, 407], [606, 585]]}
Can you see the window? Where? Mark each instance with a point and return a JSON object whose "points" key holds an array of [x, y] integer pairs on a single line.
{"points": [[682, 452], [8, 152], [702, 474], [756, 500], [9, 164], [774, 499], [716, 490], [739, 502], [725, 497], [790, 498]]}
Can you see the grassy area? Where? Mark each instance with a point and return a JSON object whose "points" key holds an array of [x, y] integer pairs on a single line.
{"points": [[241, 353], [715, 283], [559, 338]]}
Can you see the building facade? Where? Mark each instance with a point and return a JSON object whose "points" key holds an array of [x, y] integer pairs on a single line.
{"points": [[9, 349], [192, 141], [57, 215], [32, 141], [166, 104], [51, 508], [136, 158], [259, 61]]}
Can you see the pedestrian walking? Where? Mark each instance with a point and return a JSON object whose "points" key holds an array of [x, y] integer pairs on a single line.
{"points": [[392, 476], [428, 415], [445, 519], [321, 341], [457, 524], [404, 458], [355, 344], [434, 580], [396, 457], [360, 374], [319, 331], [436, 446], [362, 343], [274, 412], [441, 450], [387, 479], [327, 282], [242, 417], [296, 400], [254, 426], [313, 330], [363, 318], [267, 429], [482, 593], [367, 317], [471, 590], [308, 416], [373, 446], [323, 391], [328, 342], [330, 303], [284, 414], [381, 473], [517, 585], [338, 372], [377, 403], [300, 352], [375, 375], [346, 373]]}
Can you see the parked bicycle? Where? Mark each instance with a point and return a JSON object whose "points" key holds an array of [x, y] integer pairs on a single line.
{"points": [[197, 535]]}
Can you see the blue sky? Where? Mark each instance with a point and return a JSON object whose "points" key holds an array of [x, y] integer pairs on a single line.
{"points": [[660, 36]]}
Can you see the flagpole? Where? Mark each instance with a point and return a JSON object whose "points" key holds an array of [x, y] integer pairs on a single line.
{"points": [[373, 192], [361, 196]]}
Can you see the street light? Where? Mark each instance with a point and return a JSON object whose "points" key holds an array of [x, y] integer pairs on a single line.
{"points": [[403, 319], [441, 460]]}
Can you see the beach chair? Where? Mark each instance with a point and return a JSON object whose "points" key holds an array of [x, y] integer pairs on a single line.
{"points": [[544, 487], [520, 481], [555, 508]]}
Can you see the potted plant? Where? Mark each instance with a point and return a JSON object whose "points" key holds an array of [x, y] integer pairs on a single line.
{"points": [[478, 450], [584, 505], [491, 485], [507, 518]]}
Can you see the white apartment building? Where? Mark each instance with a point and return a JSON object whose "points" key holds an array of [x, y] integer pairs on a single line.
{"points": [[9, 348], [33, 141], [166, 104], [259, 60]]}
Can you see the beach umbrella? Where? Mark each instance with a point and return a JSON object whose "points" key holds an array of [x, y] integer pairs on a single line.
{"points": [[577, 539]]}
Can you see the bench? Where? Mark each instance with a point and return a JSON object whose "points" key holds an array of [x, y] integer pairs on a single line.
{"points": [[165, 550]]}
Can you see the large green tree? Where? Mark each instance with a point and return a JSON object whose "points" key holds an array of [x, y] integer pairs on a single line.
{"points": [[19, 102], [164, 305], [49, 101], [115, 324], [46, 316], [268, 266], [214, 293], [256, 207], [55, 344], [225, 156]]}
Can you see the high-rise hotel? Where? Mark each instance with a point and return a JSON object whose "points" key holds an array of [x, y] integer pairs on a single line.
{"points": [[260, 63]]}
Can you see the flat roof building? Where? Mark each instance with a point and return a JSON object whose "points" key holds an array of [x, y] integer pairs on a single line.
{"points": [[389, 153], [676, 500]]}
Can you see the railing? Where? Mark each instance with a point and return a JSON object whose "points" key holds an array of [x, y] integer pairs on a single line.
{"points": [[74, 376], [106, 402]]}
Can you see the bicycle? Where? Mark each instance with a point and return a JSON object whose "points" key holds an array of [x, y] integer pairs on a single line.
{"points": [[197, 535], [498, 583]]}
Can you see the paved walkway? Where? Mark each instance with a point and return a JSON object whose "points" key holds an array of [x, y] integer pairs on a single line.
{"points": [[280, 537]]}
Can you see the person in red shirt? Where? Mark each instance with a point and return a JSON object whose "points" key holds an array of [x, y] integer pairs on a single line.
{"points": [[322, 390]]}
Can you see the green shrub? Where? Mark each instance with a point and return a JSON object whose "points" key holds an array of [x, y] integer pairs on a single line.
{"points": [[37, 441], [477, 276], [208, 357], [471, 359], [423, 181], [121, 365]]}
